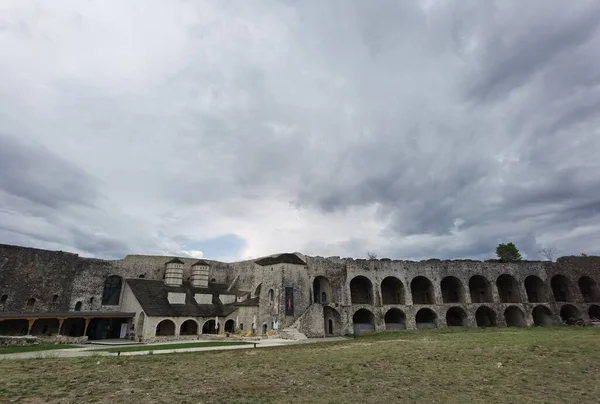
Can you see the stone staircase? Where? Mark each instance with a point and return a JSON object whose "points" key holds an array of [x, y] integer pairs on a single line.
{"points": [[291, 333]]}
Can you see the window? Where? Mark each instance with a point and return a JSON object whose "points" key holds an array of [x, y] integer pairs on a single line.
{"points": [[3, 299], [141, 276], [30, 305], [78, 306], [54, 298], [92, 300], [112, 291], [271, 296], [241, 326]]}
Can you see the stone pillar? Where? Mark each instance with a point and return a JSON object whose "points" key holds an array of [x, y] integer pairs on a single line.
{"points": [[437, 293]]}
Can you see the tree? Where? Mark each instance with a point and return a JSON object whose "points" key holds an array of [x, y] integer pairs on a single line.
{"points": [[371, 255], [508, 253], [548, 253]]}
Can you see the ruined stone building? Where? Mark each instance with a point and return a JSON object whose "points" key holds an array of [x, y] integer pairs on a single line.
{"points": [[149, 298]]}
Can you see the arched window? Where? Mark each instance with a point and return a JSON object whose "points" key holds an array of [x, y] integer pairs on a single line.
{"points": [[3, 299], [54, 298], [112, 291], [30, 305], [78, 306], [271, 296]]}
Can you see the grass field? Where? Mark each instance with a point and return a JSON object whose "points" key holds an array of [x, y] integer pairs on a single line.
{"points": [[536, 365], [183, 345], [33, 348]]}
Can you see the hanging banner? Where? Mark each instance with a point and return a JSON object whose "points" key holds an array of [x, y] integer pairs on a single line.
{"points": [[289, 301]]}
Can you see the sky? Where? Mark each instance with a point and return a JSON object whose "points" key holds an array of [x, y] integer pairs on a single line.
{"points": [[233, 130]]}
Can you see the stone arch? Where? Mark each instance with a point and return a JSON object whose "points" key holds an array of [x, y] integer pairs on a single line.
{"points": [[426, 318], [363, 321], [30, 305], [189, 327], [361, 290], [257, 290], [452, 290], [485, 317], [536, 289], [395, 320], [78, 306], [561, 288], [481, 290], [589, 289], [594, 313], [542, 316], [45, 326], [514, 317], [165, 327], [322, 292], [392, 291], [332, 321], [229, 326], [456, 317], [570, 315], [210, 327], [111, 293], [421, 289], [508, 289]]}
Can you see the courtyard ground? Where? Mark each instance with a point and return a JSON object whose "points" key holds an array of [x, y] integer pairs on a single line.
{"points": [[543, 365]]}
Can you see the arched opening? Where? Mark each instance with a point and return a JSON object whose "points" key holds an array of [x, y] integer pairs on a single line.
{"points": [[361, 290], [452, 290], [78, 306], [481, 290], [395, 320], [425, 318], [3, 299], [188, 327], [322, 290], [264, 329], [594, 312], [229, 326], [589, 289], [514, 317], [561, 288], [209, 327], [536, 289], [14, 327], [45, 326], [257, 290], [30, 305], [271, 296], [421, 289], [139, 329], [392, 291], [54, 299], [73, 327], [570, 315], [333, 321], [485, 317], [456, 317], [364, 322], [508, 289], [165, 327], [542, 316], [112, 291]]}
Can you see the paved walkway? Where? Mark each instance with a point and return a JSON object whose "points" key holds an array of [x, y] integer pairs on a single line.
{"points": [[95, 350]]}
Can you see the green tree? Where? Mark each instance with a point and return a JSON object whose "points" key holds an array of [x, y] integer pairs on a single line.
{"points": [[508, 253]]}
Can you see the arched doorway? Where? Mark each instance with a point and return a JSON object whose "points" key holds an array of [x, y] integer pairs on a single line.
{"points": [[425, 319], [452, 290], [229, 326], [570, 315], [514, 317], [508, 289], [395, 320], [561, 288], [364, 322], [485, 317], [536, 289], [188, 327], [165, 328], [209, 327], [589, 289], [392, 291], [542, 316], [594, 313], [456, 317], [421, 289], [332, 321], [481, 290], [322, 290], [361, 290]]}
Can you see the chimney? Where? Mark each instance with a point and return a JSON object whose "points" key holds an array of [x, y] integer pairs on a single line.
{"points": [[174, 272], [200, 272]]}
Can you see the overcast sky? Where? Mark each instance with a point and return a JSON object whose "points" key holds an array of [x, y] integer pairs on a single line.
{"points": [[235, 129]]}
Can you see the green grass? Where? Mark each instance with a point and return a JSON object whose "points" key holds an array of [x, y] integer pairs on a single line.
{"points": [[536, 365], [33, 348], [173, 346]]}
